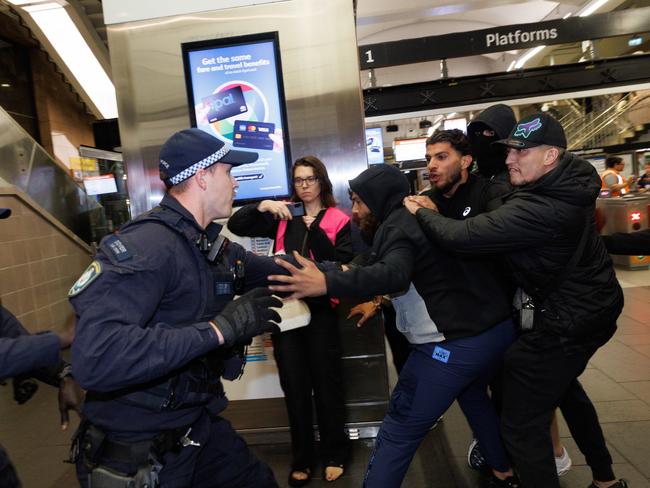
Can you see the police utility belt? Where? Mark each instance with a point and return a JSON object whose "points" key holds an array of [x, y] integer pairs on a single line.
{"points": [[97, 450]]}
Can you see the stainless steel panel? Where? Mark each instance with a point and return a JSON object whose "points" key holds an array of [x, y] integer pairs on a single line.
{"points": [[321, 79]]}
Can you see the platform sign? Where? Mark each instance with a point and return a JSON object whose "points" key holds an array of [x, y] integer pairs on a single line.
{"points": [[235, 93]]}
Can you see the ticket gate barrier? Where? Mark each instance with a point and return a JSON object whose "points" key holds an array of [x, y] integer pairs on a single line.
{"points": [[626, 214]]}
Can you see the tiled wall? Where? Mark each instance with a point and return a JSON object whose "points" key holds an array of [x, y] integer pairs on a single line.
{"points": [[38, 265]]}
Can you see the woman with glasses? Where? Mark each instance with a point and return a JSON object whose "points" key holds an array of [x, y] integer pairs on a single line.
{"points": [[308, 358]]}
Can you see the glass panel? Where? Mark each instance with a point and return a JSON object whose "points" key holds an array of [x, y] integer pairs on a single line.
{"points": [[26, 165]]}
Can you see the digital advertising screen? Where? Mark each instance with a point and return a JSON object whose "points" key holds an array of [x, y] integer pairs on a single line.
{"points": [[235, 93], [100, 185], [410, 149], [459, 123], [374, 145]]}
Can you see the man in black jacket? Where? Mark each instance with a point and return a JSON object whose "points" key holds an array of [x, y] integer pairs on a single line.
{"points": [[546, 233]]}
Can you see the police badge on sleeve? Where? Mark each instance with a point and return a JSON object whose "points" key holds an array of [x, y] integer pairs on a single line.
{"points": [[88, 276]]}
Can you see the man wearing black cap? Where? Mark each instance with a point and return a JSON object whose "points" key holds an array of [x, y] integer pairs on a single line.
{"points": [[568, 297], [24, 356], [157, 328]]}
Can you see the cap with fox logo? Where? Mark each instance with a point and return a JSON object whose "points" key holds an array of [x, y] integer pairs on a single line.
{"points": [[536, 130]]}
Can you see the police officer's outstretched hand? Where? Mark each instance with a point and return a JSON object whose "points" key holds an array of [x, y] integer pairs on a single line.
{"points": [[248, 316]]}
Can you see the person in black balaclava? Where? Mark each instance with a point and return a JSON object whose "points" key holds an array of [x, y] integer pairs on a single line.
{"points": [[492, 124]]}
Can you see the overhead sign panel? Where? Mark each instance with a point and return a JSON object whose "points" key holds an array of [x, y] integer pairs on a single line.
{"points": [[505, 38]]}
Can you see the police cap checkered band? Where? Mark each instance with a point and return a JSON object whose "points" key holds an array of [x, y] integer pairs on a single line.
{"points": [[190, 150], [209, 161]]}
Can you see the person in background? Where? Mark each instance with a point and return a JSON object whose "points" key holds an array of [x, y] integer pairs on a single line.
{"points": [[612, 179], [308, 358], [24, 356], [643, 183]]}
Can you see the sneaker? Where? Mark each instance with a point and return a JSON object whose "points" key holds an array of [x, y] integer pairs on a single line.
{"points": [[563, 463], [619, 484], [475, 459]]}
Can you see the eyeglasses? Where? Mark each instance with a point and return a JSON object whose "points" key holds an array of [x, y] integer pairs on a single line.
{"points": [[310, 180]]}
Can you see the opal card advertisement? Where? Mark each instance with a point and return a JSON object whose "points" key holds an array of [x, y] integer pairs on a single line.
{"points": [[235, 93]]}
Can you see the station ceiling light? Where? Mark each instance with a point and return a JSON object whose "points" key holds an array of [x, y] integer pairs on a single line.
{"points": [[635, 41], [591, 8], [52, 19]]}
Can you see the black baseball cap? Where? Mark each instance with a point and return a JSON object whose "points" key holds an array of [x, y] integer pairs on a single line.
{"points": [[190, 150], [5, 213], [536, 130]]}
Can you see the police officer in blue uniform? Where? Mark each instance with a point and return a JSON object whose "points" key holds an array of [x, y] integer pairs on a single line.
{"points": [[157, 327]]}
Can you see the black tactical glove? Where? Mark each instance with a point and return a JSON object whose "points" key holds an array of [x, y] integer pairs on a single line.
{"points": [[248, 316]]}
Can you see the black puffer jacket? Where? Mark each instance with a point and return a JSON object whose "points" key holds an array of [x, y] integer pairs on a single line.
{"points": [[537, 229], [463, 297]]}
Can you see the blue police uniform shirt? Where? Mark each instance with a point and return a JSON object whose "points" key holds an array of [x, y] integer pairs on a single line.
{"points": [[142, 338], [21, 352]]}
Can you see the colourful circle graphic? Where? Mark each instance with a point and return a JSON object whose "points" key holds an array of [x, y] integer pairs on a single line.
{"points": [[258, 109]]}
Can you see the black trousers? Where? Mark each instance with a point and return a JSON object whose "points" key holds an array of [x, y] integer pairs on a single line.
{"points": [[540, 374], [309, 359]]}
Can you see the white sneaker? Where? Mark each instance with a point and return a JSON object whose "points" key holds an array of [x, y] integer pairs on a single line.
{"points": [[563, 463]]}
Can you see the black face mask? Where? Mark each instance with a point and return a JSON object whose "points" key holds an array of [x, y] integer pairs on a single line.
{"points": [[490, 158]]}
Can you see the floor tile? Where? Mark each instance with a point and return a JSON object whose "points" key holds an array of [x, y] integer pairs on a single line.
{"points": [[641, 389], [622, 411], [632, 440], [642, 348], [622, 363], [602, 388], [628, 326], [633, 339]]}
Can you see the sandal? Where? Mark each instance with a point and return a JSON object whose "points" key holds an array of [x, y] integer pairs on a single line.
{"points": [[296, 482], [335, 466]]}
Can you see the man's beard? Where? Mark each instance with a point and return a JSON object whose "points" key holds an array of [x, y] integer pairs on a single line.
{"points": [[368, 226], [454, 178]]}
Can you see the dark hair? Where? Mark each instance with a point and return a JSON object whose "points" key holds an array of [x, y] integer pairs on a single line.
{"points": [[455, 137], [612, 161], [320, 172]]}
